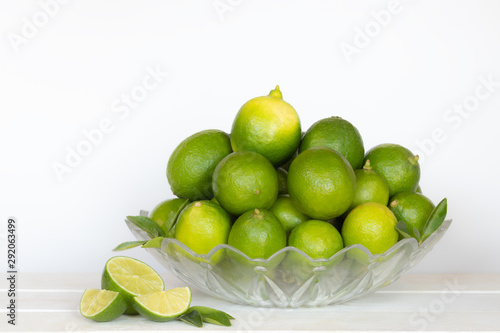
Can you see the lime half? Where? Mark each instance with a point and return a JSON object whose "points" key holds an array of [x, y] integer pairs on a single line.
{"points": [[164, 305], [102, 305], [130, 277]]}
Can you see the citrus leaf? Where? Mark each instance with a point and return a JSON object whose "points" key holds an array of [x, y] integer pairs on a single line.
{"points": [[146, 224], [193, 318], [176, 216], [154, 243], [128, 245], [417, 234], [403, 229], [436, 219], [212, 316]]}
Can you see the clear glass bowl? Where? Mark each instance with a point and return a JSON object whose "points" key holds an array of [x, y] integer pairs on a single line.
{"points": [[290, 278]]}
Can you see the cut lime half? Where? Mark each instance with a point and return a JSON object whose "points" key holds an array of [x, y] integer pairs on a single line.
{"points": [[164, 305], [130, 277], [102, 305]]}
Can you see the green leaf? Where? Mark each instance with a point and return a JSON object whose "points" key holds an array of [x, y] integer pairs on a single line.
{"points": [[403, 229], [436, 219], [146, 224], [128, 245], [176, 216], [193, 318], [212, 316], [154, 243], [417, 234]]}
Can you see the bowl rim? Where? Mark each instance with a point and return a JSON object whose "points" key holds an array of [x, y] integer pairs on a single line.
{"points": [[372, 257]]}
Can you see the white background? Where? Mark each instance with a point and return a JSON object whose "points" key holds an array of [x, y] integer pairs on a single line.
{"points": [[70, 73]]}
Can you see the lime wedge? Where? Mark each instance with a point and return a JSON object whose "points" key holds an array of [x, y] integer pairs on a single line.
{"points": [[102, 305], [130, 277], [164, 305]]}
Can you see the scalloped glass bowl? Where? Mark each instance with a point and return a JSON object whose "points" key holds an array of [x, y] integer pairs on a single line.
{"points": [[290, 278]]}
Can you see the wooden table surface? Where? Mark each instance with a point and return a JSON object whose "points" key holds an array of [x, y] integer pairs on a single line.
{"points": [[49, 303]]}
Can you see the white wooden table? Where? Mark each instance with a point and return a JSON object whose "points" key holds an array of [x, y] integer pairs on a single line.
{"points": [[49, 303]]}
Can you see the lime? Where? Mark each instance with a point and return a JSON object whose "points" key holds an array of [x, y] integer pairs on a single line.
{"points": [[412, 208], [287, 213], [419, 189], [191, 165], [102, 305], [321, 183], [370, 187], [317, 239], [372, 225], [282, 179], [269, 126], [130, 277], [397, 165], [339, 135], [164, 214], [203, 225], [243, 181], [164, 305], [258, 234]]}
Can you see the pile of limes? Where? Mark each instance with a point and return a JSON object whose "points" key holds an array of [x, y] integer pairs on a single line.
{"points": [[268, 185]]}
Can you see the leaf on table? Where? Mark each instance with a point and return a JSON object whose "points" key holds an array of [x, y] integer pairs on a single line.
{"points": [[128, 245], [192, 318], [436, 219], [213, 316], [154, 243], [148, 225]]}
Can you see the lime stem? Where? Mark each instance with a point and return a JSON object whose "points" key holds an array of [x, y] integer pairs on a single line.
{"points": [[258, 214], [276, 93], [367, 165], [414, 159]]}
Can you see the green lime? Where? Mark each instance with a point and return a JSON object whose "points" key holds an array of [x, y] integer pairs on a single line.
{"points": [[397, 165], [339, 135], [203, 225], [412, 208], [321, 183], [192, 164], [130, 277], [243, 181], [258, 234], [370, 187], [164, 305], [102, 305], [287, 213], [164, 214], [269, 126], [317, 239], [372, 225], [282, 181]]}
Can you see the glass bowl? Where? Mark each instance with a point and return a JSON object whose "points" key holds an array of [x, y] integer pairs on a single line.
{"points": [[289, 278]]}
